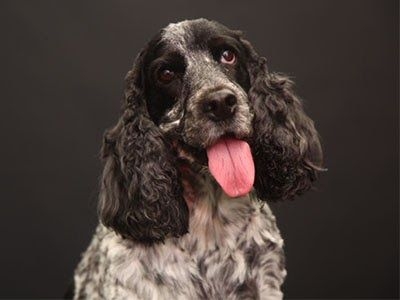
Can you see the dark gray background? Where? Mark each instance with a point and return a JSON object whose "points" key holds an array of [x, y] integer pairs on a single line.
{"points": [[62, 70]]}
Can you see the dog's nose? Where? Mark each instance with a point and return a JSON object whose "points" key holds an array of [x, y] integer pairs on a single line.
{"points": [[220, 105]]}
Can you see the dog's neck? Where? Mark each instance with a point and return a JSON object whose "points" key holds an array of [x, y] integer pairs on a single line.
{"points": [[197, 182]]}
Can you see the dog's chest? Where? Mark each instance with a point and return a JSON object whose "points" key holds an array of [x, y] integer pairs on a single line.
{"points": [[216, 256]]}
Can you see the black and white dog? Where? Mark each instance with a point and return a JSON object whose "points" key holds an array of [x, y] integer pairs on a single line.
{"points": [[206, 137]]}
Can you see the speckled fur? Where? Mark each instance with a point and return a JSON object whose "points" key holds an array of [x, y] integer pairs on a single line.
{"points": [[203, 74], [234, 251]]}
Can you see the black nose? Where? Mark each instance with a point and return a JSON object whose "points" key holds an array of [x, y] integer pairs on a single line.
{"points": [[219, 105]]}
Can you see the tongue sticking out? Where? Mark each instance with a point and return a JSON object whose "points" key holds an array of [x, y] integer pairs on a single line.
{"points": [[231, 163]]}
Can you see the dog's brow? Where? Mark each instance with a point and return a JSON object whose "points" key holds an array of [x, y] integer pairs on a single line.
{"points": [[223, 40], [177, 35]]}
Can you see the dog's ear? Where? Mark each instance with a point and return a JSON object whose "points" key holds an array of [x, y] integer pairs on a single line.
{"points": [[286, 146], [141, 195]]}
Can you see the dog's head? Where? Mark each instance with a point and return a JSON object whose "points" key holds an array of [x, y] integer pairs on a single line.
{"points": [[199, 92]]}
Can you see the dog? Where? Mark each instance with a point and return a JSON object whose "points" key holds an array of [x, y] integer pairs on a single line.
{"points": [[206, 138]]}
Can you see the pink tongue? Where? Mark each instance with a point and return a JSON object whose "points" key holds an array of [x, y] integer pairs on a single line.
{"points": [[231, 163]]}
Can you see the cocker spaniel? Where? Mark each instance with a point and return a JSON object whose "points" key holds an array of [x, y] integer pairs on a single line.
{"points": [[207, 136]]}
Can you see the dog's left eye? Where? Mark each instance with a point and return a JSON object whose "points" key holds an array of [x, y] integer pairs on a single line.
{"points": [[166, 75], [228, 57]]}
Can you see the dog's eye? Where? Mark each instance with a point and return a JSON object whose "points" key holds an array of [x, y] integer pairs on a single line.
{"points": [[166, 75], [228, 57]]}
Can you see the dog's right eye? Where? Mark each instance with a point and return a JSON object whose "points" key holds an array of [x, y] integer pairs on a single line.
{"points": [[166, 75], [228, 57]]}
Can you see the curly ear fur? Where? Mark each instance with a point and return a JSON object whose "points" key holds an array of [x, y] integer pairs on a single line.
{"points": [[141, 195], [286, 146]]}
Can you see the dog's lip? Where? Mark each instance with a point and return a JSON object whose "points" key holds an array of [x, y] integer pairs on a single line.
{"points": [[198, 154], [230, 135]]}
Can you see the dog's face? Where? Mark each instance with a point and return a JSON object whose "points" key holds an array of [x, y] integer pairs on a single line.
{"points": [[196, 83], [200, 89]]}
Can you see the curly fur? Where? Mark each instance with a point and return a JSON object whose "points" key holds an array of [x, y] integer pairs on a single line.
{"points": [[139, 197], [167, 229]]}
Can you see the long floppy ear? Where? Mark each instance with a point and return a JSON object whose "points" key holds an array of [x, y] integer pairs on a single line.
{"points": [[141, 195], [286, 146]]}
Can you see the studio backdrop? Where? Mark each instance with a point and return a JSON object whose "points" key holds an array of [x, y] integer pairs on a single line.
{"points": [[62, 71]]}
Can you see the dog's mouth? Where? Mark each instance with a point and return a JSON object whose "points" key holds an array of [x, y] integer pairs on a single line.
{"points": [[229, 161]]}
